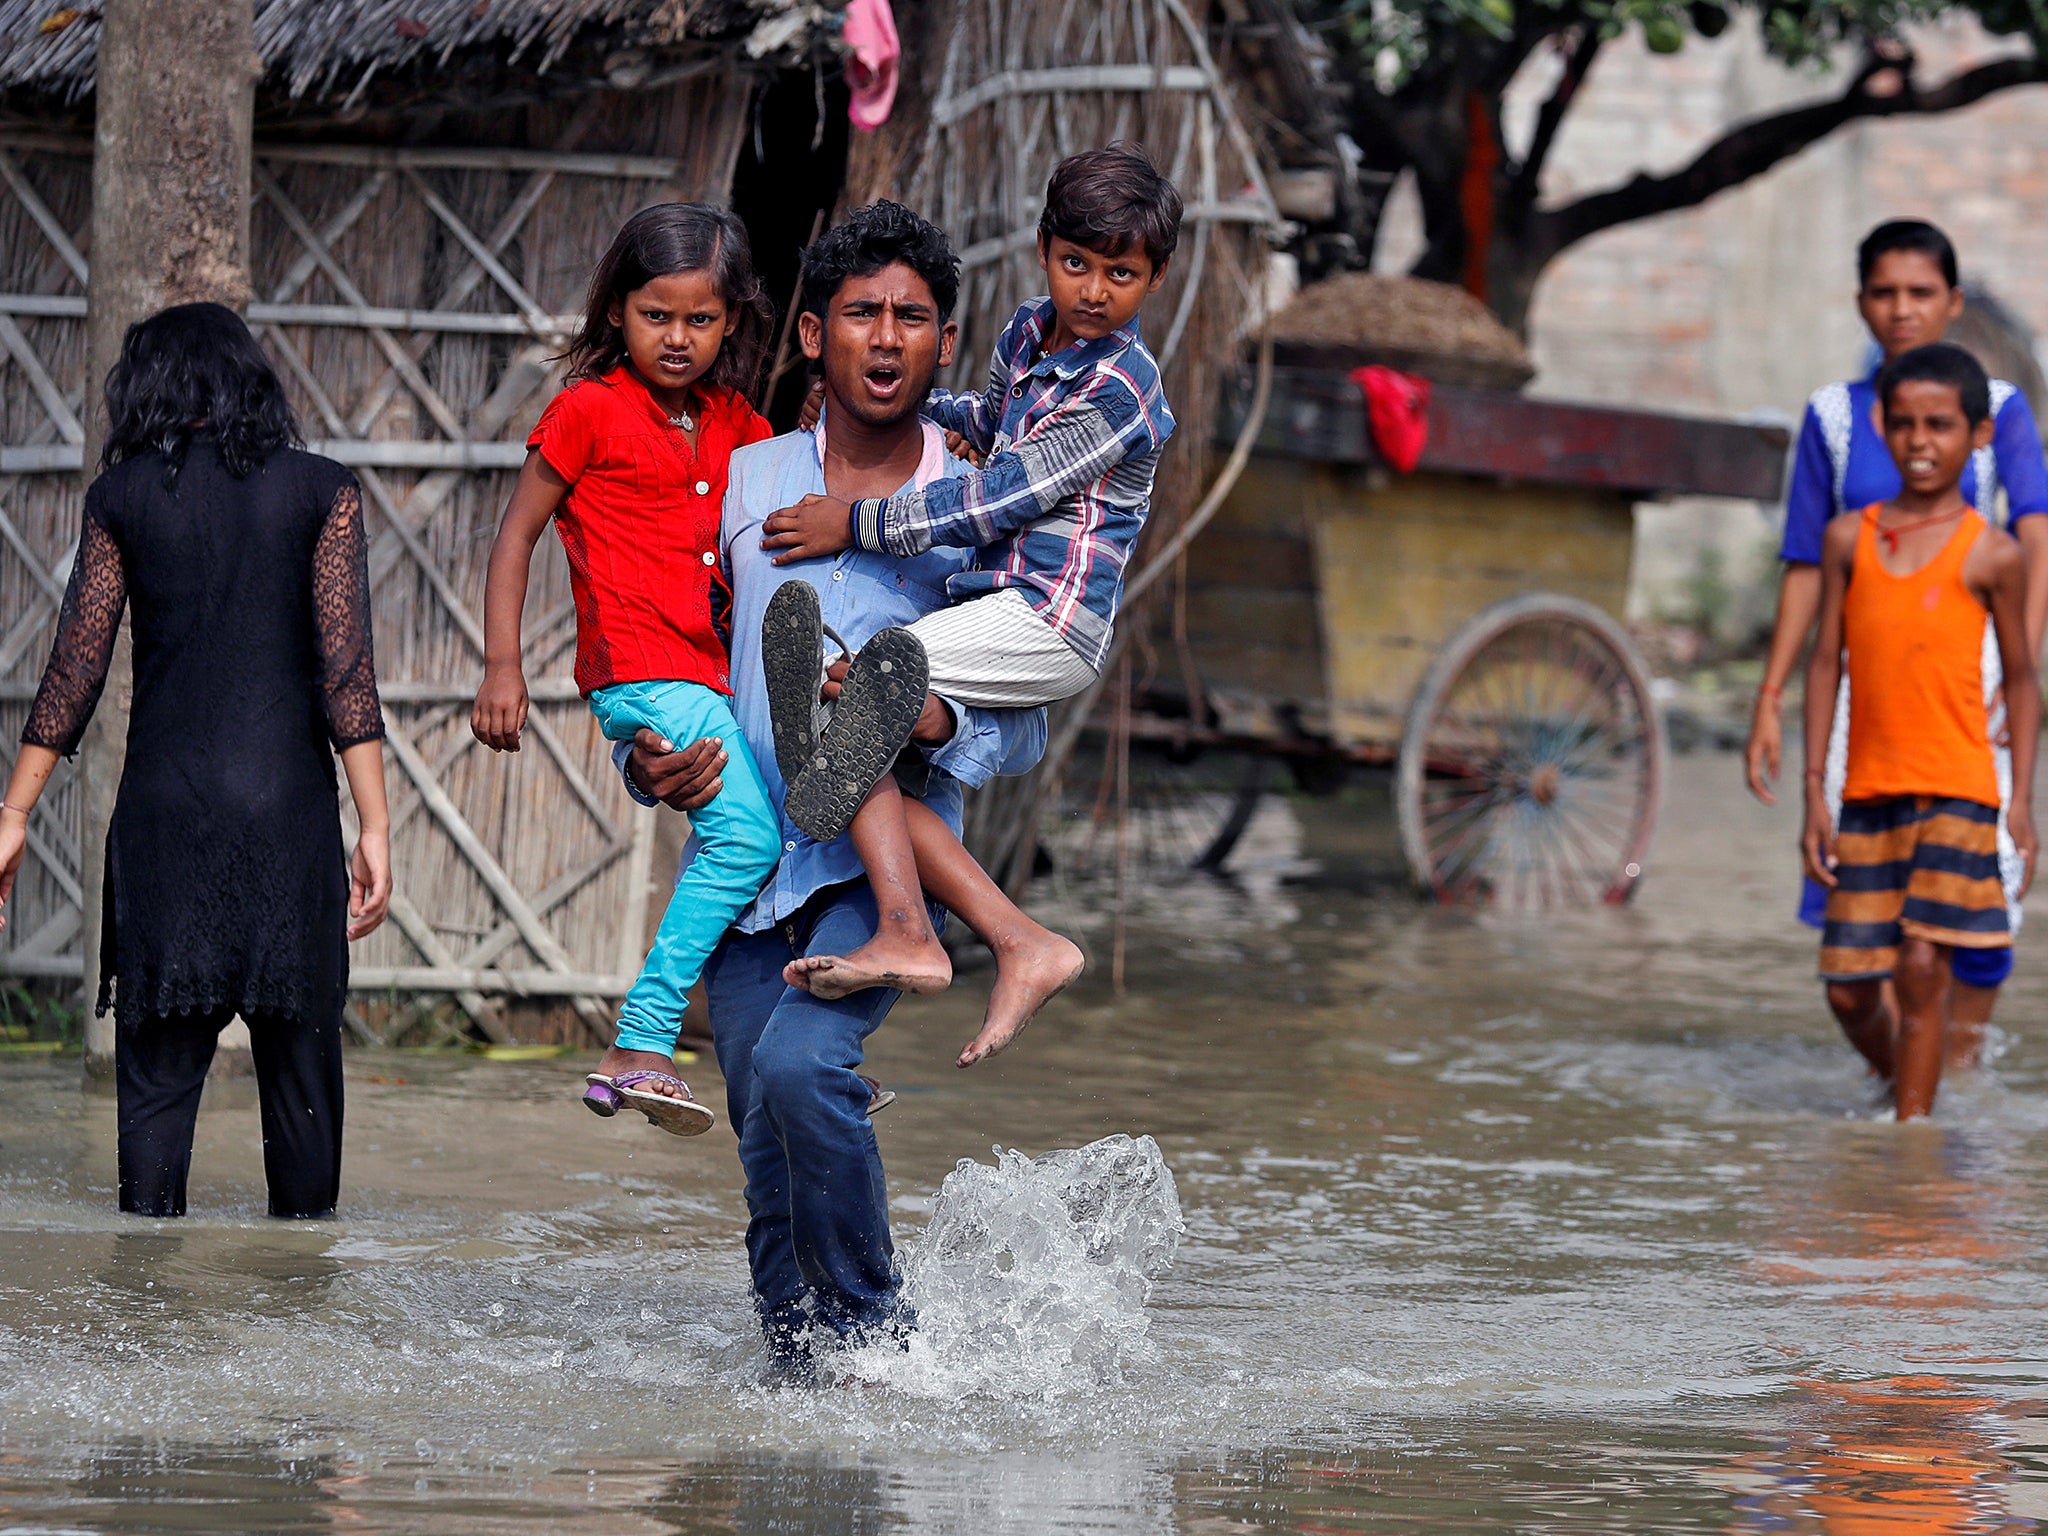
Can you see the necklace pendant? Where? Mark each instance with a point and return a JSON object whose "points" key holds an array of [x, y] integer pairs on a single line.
{"points": [[686, 421]]}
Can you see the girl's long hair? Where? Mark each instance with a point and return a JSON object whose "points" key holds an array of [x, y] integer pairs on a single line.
{"points": [[191, 369], [666, 239]]}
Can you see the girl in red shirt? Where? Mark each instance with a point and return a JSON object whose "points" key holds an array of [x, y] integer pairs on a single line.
{"points": [[629, 461]]}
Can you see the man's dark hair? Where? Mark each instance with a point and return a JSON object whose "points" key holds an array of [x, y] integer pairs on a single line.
{"points": [[193, 369], [1940, 363], [1905, 235], [871, 239], [1110, 199]]}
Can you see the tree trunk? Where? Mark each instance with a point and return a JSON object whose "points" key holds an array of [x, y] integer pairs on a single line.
{"points": [[170, 224]]}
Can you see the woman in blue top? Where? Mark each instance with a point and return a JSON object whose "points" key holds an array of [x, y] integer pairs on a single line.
{"points": [[1908, 294]]}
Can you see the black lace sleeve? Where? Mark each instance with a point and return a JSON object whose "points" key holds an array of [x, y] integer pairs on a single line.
{"points": [[341, 624], [84, 648]]}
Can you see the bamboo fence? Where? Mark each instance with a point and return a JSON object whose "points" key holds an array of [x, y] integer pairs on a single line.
{"points": [[411, 297], [1010, 88]]}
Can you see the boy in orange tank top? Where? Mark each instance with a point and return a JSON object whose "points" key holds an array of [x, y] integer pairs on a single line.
{"points": [[1912, 867]]}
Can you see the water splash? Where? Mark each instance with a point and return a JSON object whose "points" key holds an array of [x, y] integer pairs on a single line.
{"points": [[1031, 1278]]}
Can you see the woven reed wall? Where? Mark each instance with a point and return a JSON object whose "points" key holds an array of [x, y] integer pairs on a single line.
{"points": [[553, 836], [980, 173]]}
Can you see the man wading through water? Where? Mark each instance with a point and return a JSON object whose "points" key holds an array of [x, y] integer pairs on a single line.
{"points": [[878, 296]]}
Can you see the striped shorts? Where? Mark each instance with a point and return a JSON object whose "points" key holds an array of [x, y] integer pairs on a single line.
{"points": [[1912, 866], [997, 652]]}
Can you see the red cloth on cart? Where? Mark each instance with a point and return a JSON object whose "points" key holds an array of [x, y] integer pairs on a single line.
{"points": [[1397, 410]]}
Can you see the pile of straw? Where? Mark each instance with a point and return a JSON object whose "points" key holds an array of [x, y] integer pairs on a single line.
{"points": [[1433, 329]]}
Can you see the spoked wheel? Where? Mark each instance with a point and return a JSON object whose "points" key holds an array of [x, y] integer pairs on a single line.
{"points": [[1531, 760]]}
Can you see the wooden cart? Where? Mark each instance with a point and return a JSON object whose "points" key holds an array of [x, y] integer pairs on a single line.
{"points": [[1462, 624]]}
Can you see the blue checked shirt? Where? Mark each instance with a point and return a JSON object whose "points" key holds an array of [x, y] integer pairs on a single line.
{"points": [[1073, 442]]}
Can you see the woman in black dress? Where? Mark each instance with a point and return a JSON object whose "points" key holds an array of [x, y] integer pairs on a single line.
{"points": [[227, 889]]}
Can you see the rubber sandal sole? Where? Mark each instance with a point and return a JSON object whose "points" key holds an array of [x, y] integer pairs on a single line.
{"points": [[878, 708], [792, 641], [679, 1117], [601, 1098]]}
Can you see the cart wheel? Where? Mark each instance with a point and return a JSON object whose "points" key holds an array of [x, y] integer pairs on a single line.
{"points": [[1531, 760]]}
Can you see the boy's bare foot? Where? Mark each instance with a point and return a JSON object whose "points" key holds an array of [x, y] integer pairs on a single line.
{"points": [[618, 1060], [1029, 974], [923, 968]]}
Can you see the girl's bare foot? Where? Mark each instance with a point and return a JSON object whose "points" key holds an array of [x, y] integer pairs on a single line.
{"points": [[908, 966], [618, 1060], [1029, 974]]}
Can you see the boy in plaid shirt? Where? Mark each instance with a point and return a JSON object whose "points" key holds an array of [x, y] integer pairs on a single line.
{"points": [[1070, 427]]}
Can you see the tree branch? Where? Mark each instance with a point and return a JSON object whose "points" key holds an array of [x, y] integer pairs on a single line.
{"points": [[1757, 146], [1522, 191]]}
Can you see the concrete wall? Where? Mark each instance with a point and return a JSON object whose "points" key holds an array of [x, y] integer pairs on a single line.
{"points": [[1745, 304]]}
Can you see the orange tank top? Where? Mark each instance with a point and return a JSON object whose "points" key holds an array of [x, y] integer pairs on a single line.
{"points": [[1917, 723]]}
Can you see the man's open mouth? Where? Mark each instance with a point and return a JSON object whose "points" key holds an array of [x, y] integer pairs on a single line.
{"points": [[883, 379]]}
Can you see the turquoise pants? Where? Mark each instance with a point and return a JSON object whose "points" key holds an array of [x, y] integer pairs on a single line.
{"points": [[739, 841]]}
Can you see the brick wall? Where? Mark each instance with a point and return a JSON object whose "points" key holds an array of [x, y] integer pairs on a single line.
{"points": [[1747, 303]]}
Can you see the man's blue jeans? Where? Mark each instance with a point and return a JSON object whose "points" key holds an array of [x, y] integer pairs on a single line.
{"points": [[818, 1240]]}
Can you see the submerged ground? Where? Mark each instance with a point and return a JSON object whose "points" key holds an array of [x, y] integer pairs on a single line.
{"points": [[1491, 1226]]}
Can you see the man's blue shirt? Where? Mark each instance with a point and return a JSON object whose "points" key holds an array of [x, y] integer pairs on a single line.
{"points": [[860, 593], [1823, 487]]}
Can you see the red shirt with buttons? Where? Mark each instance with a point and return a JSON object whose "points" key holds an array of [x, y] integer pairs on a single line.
{"points": [[640, 527]]}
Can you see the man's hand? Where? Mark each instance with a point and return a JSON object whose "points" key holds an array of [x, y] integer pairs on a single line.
{"points": [[1762, 757], [817, 525], [935, 723], [684, 780], [500, 712], [2019, 822], [1817, 839]]}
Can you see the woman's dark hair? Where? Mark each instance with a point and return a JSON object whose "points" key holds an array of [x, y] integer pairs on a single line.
{"points": [[1905, 235], [869, 240], [190, 369], [1110, 199], [658, 242], [1940, 363]]}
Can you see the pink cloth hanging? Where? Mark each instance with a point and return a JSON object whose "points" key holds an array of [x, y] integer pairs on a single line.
{"points": [[1397, 410], [871, 66]]}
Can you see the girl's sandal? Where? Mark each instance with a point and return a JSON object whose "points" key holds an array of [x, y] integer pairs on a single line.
{"points": [[683, 1117], [879, 1098]]}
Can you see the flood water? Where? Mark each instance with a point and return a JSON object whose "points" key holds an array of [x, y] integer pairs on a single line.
{"points": [[1579, 1225]]}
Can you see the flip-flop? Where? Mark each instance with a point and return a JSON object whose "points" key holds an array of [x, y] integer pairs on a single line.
{"points": [[682, 1117], [877, 710], [879, 1098], [792, 642]]}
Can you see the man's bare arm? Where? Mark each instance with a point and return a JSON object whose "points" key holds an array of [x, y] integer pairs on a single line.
{"points": [[1823, 680], [2012, 583], [2032, 533], [1798, 603]]}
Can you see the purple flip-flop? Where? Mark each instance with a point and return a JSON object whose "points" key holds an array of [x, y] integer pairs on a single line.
{"points": [[682, 1117]]}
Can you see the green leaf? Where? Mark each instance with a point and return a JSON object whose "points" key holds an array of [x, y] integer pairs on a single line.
{"points": [[1664, 34]]}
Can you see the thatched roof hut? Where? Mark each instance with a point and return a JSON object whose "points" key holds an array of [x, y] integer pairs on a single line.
{"points": [[354, 58], [433, 179]]}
